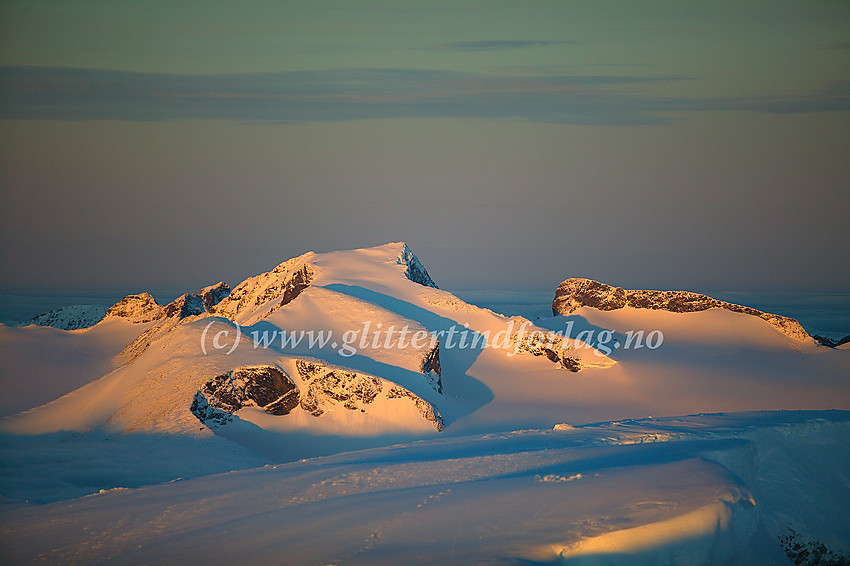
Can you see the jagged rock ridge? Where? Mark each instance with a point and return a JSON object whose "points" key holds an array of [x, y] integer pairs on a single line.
{"points": [[286, 282], [168, 317], [578, 292], [214, 294]]}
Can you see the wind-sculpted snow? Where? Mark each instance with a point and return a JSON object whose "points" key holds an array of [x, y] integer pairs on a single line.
{"points": [[718, 489], [575, 293]]}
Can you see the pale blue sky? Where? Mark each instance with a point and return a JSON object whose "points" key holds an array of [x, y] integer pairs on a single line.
{"points": [[511, 144]]}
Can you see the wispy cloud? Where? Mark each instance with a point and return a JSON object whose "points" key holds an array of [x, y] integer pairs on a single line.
{"points": [[500, 44], [85, 94]]}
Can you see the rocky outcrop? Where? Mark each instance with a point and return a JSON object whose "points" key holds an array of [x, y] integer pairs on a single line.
{"points": [[326, 385], [169, 316], [550, 346], [137, 308], [431, 366], [575, 293], [807, 551], [292, 287], [69, 318], [213, 295], [266, 387], [190, 304], [282, 284], [414, 270]]}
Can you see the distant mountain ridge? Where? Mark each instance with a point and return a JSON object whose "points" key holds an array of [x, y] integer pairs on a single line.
{"points": [[575, 293], [291, 277], [72, 317]]}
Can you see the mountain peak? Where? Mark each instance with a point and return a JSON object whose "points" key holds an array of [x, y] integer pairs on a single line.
{"points": [[137, 308]]}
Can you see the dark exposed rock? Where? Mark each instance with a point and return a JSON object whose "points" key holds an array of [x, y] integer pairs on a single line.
{"points": [[299, 281], [328, 386], [575, 293], [805, 551], [431, 365], [190, 304], [213, 294], [266, 387], [282, 284], [291, 288], [310, 401], [210, 416], [414, 270]]}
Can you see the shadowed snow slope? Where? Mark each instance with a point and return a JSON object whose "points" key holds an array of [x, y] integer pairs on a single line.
{"points": [[707, 489]]}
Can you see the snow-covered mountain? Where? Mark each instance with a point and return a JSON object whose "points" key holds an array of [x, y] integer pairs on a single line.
{"points": [[360, 350], [359, 343], [394, 354]]}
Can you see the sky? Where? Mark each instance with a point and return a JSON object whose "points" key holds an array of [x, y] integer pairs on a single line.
{"points": [[669, 145]]}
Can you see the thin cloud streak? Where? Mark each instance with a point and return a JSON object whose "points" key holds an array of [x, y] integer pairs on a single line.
{"points": [[501, 44], [301, 96]]}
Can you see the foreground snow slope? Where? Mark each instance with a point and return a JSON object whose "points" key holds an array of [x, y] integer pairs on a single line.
{"points": [[707, 489]]}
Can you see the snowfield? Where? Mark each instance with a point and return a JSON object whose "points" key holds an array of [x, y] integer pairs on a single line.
{"points": [[706, 489], [419, 428]]}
